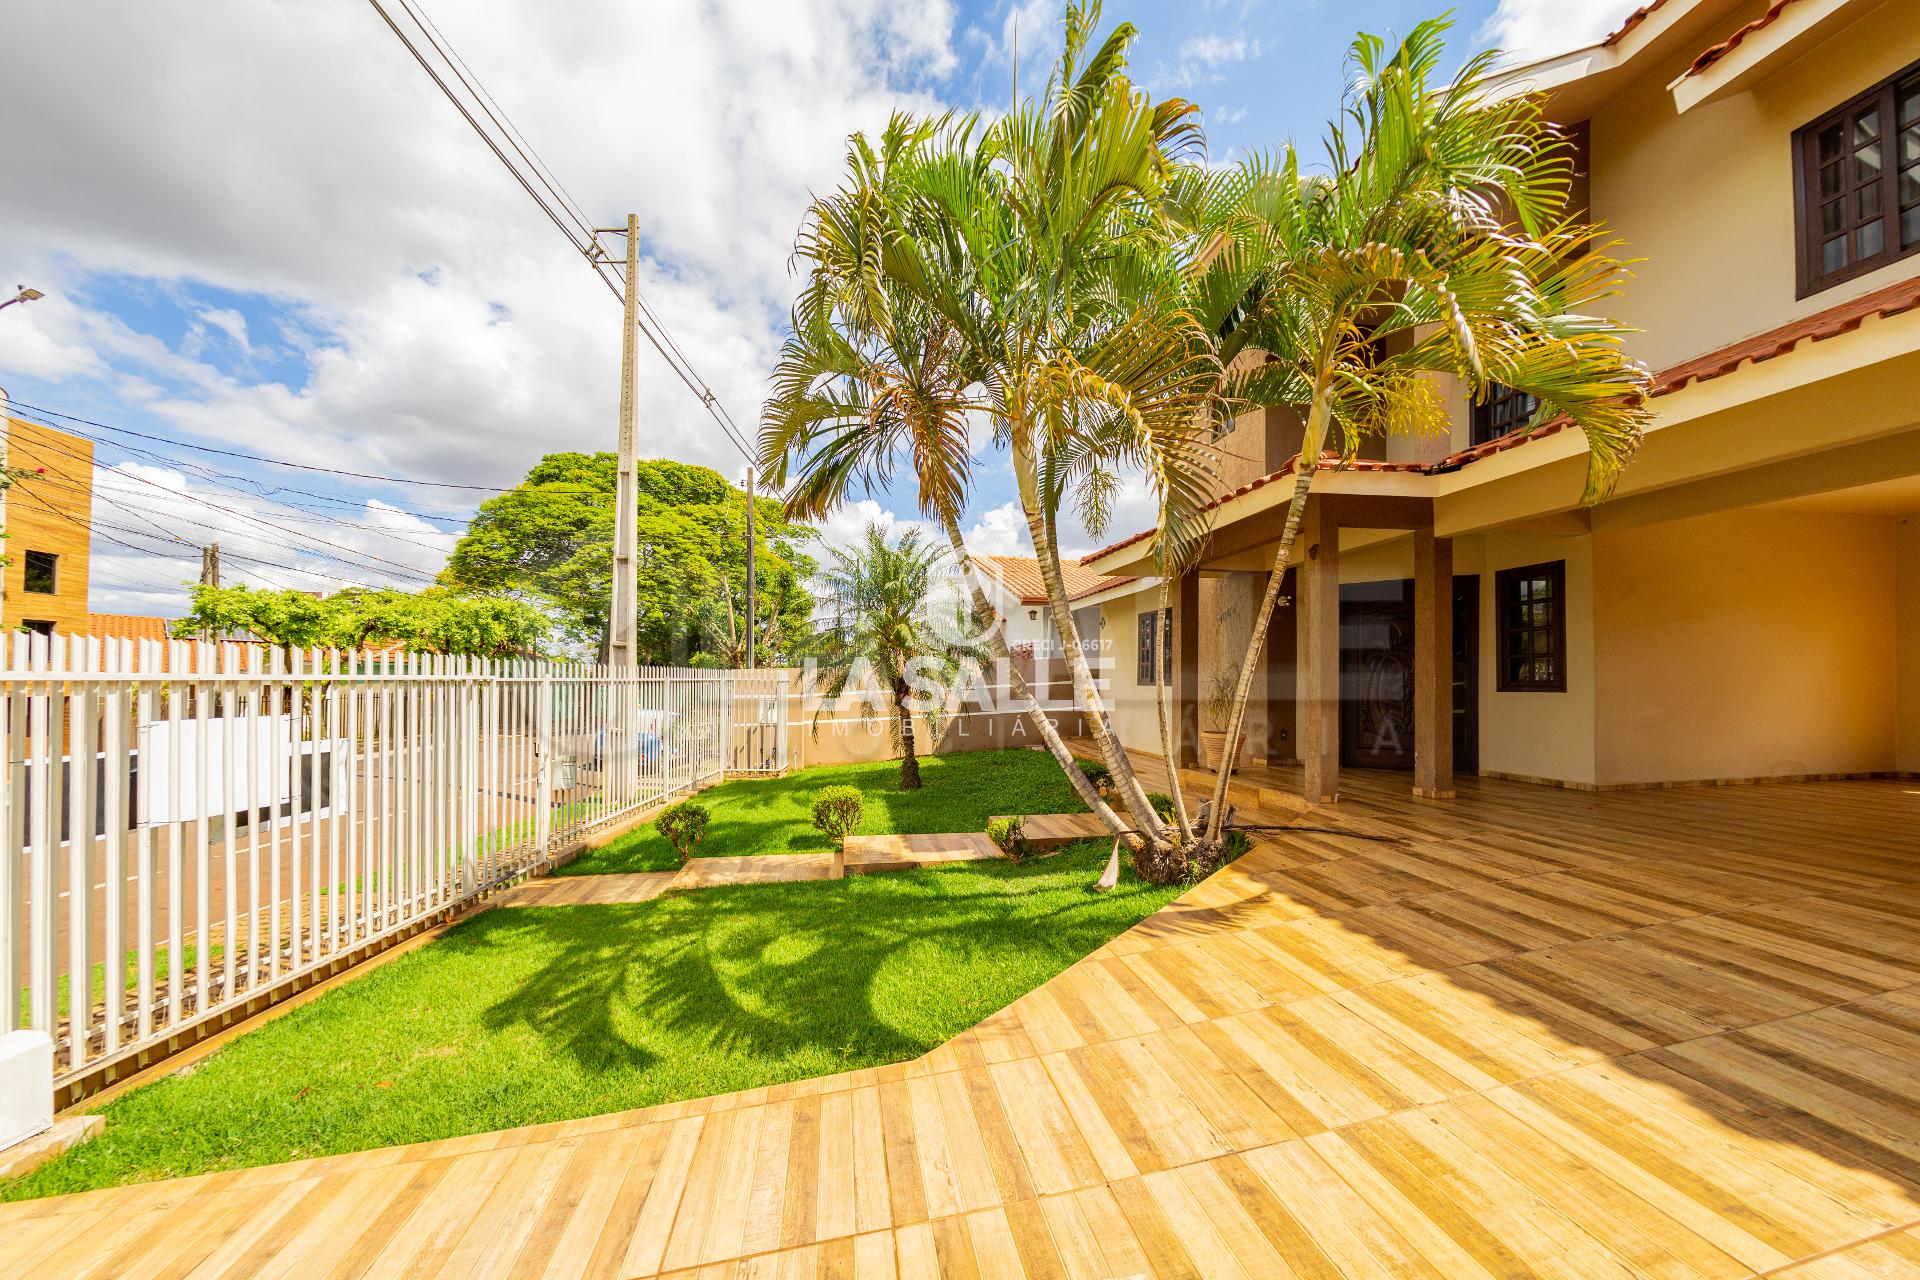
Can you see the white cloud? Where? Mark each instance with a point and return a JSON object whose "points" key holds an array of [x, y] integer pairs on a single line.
{"points": [[292, 154], [1530, 29], [1229, 115], [1205, 59]]}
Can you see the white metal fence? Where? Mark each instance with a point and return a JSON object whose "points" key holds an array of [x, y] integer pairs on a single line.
{"points": [[189, 827]]}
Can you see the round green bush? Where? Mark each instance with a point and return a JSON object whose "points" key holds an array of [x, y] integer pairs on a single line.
{"points": [[836, 811], [1008, 836], [684, 825]]}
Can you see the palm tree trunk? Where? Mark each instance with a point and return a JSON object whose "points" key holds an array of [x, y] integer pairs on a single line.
{"points": [[1312, 440], [909, 765], [984, 619], [1047, 551], [1162, 703]]}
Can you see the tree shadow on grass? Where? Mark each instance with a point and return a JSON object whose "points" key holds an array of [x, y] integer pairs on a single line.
{"points": [[853, 973]]}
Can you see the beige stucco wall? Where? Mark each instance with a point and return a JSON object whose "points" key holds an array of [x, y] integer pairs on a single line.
{"points": [[1906, 634], [1539, 735], [1746, 644], [1706, 197], [1129, 702]]}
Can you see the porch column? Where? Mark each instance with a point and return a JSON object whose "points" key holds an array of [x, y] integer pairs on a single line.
{"points": [[1318, 688], [1185, 655], [1432, 665], [1283, 645]]}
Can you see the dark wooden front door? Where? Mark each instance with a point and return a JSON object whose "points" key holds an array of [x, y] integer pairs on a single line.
{"points": [[1376, 675]]}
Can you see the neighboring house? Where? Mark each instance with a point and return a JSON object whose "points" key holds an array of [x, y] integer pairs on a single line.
{"points": [[49, 520], [132, 627], [1019, 596], [1747, 605]]}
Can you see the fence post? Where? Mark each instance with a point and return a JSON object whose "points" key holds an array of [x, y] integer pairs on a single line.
{"points": [[782, 719], [543, 749]]}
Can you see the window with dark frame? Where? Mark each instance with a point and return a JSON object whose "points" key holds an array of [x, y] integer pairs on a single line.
{"points": [[1503, 412], [1155, 652], [1532, 627], [39, 572], [1857, 184], [38, 626]]}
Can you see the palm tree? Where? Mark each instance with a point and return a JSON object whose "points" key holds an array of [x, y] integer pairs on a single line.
{"points": [[1032, 274], [886, 627], [1438, 239]]}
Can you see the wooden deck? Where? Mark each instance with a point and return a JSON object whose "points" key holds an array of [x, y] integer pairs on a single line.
{"points": [[1523, 1033]]}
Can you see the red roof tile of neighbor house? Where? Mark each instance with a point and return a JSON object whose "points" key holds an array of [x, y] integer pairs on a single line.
{"points": [[1021, 575], [1821, 325], [126, 626], [1716, 52]]}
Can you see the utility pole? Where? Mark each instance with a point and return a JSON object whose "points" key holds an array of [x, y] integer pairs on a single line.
{"points": [[624, 617], [750, 620], [210, 577]]}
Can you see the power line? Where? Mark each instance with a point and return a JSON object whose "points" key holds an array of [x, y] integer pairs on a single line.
{"points": [[353, 558], [587, 244], [257, 457]]}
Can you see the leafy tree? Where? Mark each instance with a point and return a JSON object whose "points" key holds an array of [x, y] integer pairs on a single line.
{"points": [[550, 540], [887, 629], [432, 621]]}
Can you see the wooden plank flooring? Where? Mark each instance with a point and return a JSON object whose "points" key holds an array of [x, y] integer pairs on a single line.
{"points": [[901, 853], [1523, 1033]]}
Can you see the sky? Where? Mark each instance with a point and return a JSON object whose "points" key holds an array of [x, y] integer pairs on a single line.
{"points": [[261, 230]]}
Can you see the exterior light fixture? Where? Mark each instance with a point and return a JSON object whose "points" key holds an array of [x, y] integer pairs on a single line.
{"points": [[24, 295]]}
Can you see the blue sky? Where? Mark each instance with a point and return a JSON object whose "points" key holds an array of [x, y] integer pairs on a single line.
{"points": [[260, 230]]}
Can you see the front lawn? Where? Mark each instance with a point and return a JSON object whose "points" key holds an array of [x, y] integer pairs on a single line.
{"points": [[530, 1014], [774, 815]]}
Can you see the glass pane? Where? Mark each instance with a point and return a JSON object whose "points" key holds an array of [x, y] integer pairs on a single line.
{"points": [[1910, 103], [1909, 186], [1832, 180], [1833, 254], [1866, 126], [1910, 226], [1866, 164], [1833, 217], [1871, 239], [1866, 203], [1910, 144], [1829, 142]]}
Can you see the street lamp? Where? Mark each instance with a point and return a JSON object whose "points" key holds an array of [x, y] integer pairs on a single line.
{"points": [[25, 295]]}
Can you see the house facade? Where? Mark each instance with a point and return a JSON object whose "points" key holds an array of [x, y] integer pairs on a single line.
{"points": [[1747, 604], [49, 521]]}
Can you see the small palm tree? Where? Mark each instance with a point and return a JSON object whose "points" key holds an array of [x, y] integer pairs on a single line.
{"points": [[887, 628]]}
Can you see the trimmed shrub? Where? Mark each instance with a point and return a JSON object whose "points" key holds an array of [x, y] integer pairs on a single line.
{"points": [[685, 826], [1098, 774], [1008, 836], [836, 811]]}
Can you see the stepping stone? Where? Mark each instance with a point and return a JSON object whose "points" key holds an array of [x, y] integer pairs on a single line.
{"points": [[899, 853]]}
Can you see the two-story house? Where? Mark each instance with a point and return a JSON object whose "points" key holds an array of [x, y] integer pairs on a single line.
{"points": [[1747, 604]]}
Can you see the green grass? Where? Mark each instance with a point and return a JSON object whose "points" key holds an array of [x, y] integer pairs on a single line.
{"points": [[774, 815], [526, 1015]]}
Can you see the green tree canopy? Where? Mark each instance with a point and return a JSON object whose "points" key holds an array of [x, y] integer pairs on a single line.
{"points": [[432, 621], [550, 540]]}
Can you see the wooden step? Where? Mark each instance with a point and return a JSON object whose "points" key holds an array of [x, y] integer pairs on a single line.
{"points": [[1048, 831], [899, 853]]}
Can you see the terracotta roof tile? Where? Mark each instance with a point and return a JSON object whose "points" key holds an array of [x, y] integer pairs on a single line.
{"points": [[1732, 42], [1021, 575], [1634, 19], [1842, 318], [126, 626]]}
